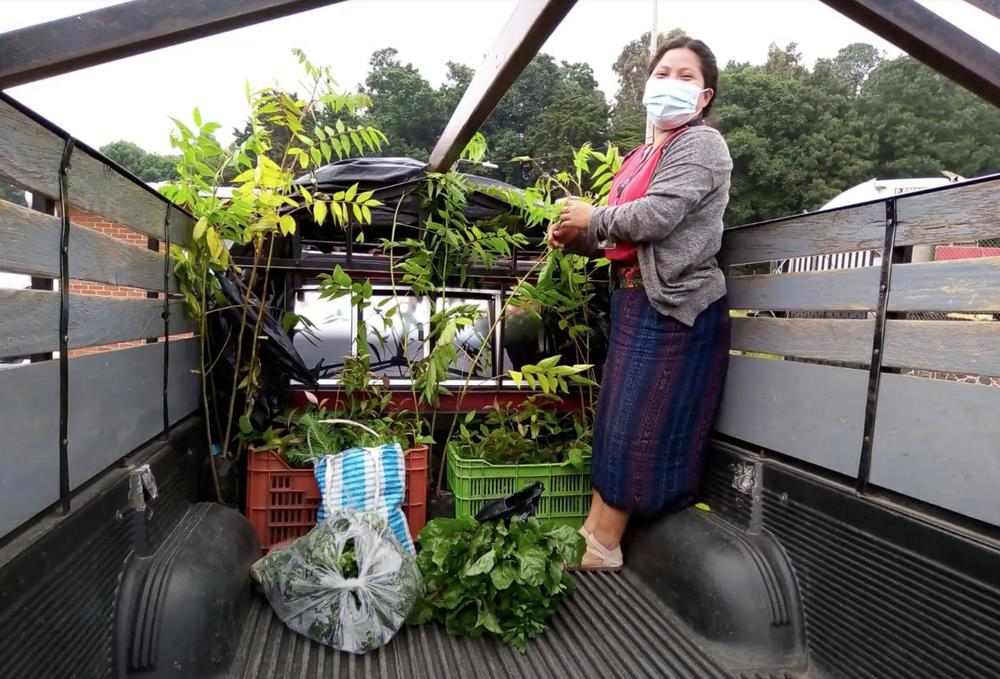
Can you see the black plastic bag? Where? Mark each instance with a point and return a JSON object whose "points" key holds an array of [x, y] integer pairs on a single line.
{"points": [[522, 504]]}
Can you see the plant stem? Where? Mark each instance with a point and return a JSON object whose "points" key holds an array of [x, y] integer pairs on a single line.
{"points": [[245, 304], [475, 362], [204, 385], [251, 394]]}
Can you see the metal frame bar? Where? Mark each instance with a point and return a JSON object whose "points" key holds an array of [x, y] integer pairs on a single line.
{"points": [[988, 6], [518, 42], [166, 323], [124, 30], [929, 38], [64, 481], [878, 345]]}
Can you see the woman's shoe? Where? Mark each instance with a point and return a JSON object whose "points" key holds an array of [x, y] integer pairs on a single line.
{"points": [[598, 557]]}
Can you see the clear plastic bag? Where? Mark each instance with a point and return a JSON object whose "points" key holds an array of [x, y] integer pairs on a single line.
{"points": [[348, 583]]}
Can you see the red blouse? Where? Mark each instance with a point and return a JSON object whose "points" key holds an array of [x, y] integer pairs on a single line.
{"points": [[632, 182]]}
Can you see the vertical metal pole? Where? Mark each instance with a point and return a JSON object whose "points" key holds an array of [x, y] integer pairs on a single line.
{"points": [[64, 486], [166, 323], [878, 345], [496, 307], [653, 44]]}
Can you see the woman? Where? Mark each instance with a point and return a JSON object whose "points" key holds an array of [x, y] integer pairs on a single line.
{"points": [[669, 320]]}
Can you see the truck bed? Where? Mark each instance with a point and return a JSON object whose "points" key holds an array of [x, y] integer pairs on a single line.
{"points": [[610, 627]]}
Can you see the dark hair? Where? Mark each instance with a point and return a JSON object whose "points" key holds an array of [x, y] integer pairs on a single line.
{"points": [[709, 67]]}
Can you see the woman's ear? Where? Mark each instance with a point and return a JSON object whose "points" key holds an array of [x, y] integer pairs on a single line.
{"points": [[705, 98]]}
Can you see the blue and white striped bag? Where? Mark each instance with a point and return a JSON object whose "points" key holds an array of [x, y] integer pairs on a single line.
{"points": [[368, 480]]}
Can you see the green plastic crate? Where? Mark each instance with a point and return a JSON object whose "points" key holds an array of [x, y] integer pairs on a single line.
{"points": [[474, 483]]}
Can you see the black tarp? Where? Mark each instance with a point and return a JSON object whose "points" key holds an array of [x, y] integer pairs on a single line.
{"points": [[396, 183]]}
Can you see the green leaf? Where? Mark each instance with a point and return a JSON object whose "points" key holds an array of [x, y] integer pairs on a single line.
{"points": [[503, 576], [245, 426], [532, 562], [351, 192], [199, 228], [319, 212], [488, 620], [215, 246]]}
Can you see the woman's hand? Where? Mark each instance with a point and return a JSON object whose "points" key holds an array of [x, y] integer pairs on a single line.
{"points": [[574, 218]]}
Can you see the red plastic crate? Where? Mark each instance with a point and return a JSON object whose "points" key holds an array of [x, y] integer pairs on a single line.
{"points": [[282, 501]]}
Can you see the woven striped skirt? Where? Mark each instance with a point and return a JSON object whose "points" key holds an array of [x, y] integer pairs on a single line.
{"points": [[660, 391]]}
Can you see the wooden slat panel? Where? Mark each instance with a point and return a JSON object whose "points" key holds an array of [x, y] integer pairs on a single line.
{"points": [[964, 347], [29, 244], [832, 340], [957, 214], [938, 442], [841, 230], [29, 321], [30, 156], [847, 290], [115, 407], [124, 29], [959, 285], [811, 412]]}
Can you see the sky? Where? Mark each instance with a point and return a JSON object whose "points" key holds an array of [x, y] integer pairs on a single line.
{"points": [[134, 98]]}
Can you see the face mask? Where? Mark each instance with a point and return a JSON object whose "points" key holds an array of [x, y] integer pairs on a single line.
{"points": [[670, 103]]}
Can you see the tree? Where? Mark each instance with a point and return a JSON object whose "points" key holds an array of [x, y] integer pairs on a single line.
{"points": [[147, 166], [456, 82], [787, 61], [404, 105], [795, 143], [854, 63], [925, 124]]}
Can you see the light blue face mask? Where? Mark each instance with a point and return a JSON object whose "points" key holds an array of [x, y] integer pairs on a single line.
{"points": [[670, 102]]}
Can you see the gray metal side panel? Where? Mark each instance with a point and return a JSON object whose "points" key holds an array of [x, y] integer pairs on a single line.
{"points": [[964, 347], [955, 215], [939, 442], [29, 444], [115, 406], [846, 290], [841, 230], [29, 320], [959, 285], [30, 157], [29, 244], [811, 412], [832, 340]]}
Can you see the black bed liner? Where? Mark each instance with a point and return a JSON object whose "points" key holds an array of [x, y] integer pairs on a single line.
{"points": [[610, 627]]}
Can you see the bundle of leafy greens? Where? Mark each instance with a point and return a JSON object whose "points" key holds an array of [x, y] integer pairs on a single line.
{"points": [[347, 583], [530, 433], [314, 437], [506, 580]]}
